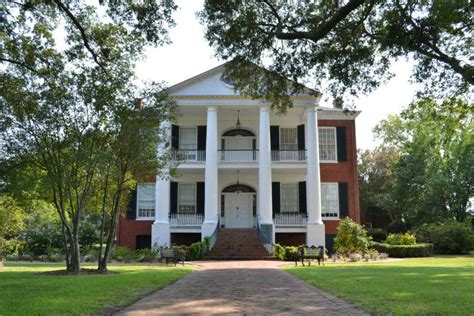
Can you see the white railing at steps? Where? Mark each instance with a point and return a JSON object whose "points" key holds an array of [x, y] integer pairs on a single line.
{"points": [[238, 155], [186, 219], [288, 155], [188, 155], [289, 219]]}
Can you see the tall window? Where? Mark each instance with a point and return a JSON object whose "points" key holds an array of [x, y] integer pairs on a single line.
{"points": [[146, 200], [288, 139], [188, 138], [289, 198], [187, 198], [327, 144], [330, 199]]}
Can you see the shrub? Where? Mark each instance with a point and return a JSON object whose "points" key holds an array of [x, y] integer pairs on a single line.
{"points": [[405, 251], [122, 253], [383, 256], [144, 255], [401, 239], [373, 254], [448, 237], [351, 238], [284, 253], [377, 234], [354, 257]]}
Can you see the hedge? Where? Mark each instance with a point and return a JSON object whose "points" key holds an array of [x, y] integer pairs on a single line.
{"points": [[405, 251]]}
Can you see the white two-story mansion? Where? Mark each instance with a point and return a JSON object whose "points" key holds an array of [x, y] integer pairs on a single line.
{"points": [[290, 178]]}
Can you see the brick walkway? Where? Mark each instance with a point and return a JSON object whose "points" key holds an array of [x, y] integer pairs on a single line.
{"points": [[242, 288]]}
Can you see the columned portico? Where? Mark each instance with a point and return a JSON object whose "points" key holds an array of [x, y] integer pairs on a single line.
{"points": [[265, 219], [315, 235], [211, 175]]}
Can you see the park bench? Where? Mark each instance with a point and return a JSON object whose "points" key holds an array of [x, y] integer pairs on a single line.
{"points": [[172, 254], [310, 253]]}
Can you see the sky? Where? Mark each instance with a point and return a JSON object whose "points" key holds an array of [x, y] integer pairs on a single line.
{"points": [[190, 54]]}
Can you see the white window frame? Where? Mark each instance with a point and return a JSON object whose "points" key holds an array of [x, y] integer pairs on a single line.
{"points": [[297, 198], [195, 138], [336, 184], [144, 218], [195, 199], [335, 144]]}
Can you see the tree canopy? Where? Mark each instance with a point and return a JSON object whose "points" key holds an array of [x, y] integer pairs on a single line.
{"points": [[344, 46]]}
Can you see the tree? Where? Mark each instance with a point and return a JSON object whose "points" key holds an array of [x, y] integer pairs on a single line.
{"points": [[60, 104], [434, 174], [346, 45], [11, 221]]}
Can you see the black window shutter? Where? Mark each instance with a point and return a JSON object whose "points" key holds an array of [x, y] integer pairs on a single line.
{"points": [[200, 197], [341, 143], [201, 137], [173, 197], [301, 145], [343, 199], [274, 137], [132, 205], [174, 136], [302, 196], [276, 197]]}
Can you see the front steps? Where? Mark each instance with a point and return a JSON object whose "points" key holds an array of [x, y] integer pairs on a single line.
{"points": [[238, 244]]}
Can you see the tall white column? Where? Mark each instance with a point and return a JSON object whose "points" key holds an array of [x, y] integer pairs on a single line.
{"points": [[264, 168], [315, 235], [211, 175], [160, 230]]}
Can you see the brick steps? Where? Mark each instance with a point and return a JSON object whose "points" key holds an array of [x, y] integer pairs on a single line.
{"points": [[238, 244]]}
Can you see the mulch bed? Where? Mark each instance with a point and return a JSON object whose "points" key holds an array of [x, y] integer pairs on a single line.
{"points": [[81, 272]]}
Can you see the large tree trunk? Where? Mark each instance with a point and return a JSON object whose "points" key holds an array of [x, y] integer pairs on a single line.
{"points": [[74, 265]]}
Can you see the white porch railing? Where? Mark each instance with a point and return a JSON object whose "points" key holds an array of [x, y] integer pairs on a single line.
{"points": [[238, 155], [290, 219], [288, 155], [186, 219], [188, 155]]}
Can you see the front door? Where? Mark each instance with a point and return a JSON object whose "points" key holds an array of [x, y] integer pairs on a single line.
{"points": [[238, 210]]}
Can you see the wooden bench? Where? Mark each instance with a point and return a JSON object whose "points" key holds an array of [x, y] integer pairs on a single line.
{"points": [[172, 254], [310, 253]]}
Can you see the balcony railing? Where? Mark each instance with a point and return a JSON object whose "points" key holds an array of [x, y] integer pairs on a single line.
{"points": [[290, 219], [186, 219], [288, 155], [238, 155], [188, 155]]}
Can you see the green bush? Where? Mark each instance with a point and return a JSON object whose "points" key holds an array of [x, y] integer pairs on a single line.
{"points": [[401, 239], [197, 250], [284, 253], [144, 255], [405, 251], [122, 253], [351, 238], [448, 237]]}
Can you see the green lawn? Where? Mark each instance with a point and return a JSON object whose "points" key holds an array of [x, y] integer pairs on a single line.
{"points": [[422, 286], [24, 292]]}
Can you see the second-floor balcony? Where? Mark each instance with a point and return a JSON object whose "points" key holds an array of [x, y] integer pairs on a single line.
{"points": [[239, 155]]}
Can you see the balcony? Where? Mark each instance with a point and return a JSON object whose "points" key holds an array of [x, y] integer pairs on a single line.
{"points": [[238, 155], [188, 155], [180, 220], [290, 220], [288, 155]]}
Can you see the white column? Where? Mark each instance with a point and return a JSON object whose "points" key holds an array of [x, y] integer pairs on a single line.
{"points": [[315, 235], [160, 230], [264, 168], [211, 175]]}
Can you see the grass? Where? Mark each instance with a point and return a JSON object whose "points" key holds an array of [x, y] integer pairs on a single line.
{"points": [[421, 286], [25, 292]]}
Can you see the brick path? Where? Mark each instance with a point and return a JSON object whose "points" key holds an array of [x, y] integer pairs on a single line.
{"points": [[242, 288]]}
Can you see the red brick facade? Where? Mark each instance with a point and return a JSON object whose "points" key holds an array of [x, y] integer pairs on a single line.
{"points": [[330, 172]]}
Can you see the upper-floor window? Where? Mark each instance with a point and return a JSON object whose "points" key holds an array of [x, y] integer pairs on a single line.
{"points": [[327, 144], [289, 198], [187, 198], [146, 200], [188, 138], [288, 139], [330, 199]]}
